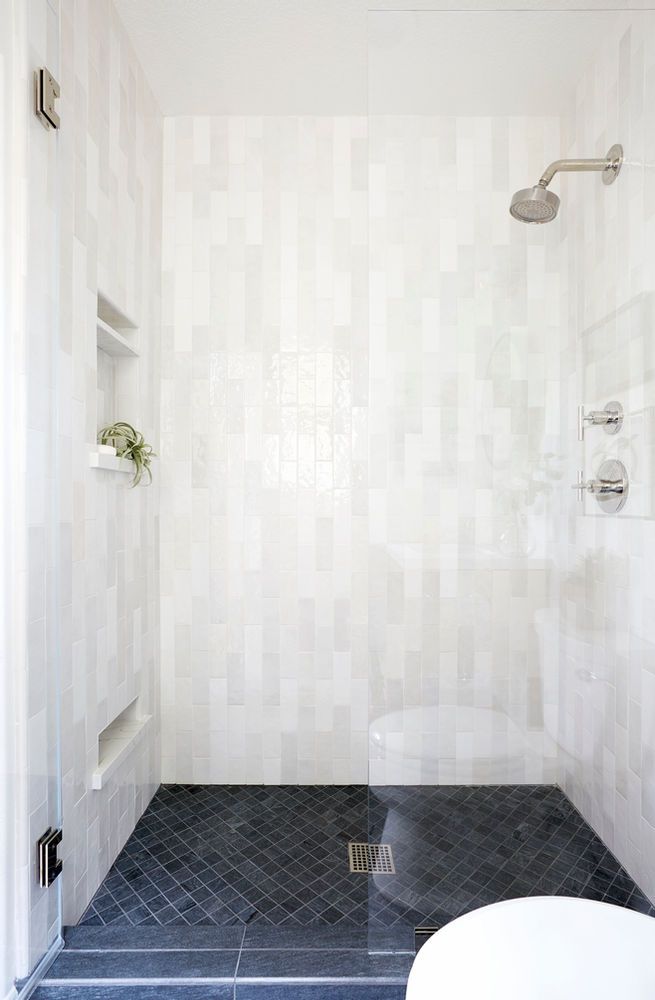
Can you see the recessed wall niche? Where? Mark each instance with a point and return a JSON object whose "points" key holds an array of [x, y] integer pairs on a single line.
{"points": [[117, 374]]}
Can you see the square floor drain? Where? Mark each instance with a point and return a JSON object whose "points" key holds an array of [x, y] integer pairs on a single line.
{"points": [[374, 859]]}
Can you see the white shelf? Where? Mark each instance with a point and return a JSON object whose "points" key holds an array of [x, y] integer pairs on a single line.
{"points": [[111, 463], [112, 315], [112, 342], [115, 744]]}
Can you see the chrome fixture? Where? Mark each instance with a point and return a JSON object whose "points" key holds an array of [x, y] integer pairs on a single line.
{"points": [[610, 489], [47, 91], [376, 859], [537, 205], [534, 205], [48, 864], [610, 419]]}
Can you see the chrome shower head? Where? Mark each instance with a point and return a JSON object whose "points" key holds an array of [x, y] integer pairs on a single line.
{"points": [[534, 205]]}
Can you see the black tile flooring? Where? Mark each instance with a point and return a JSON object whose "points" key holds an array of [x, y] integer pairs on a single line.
{"points": [[235, 855], [457, 848]]}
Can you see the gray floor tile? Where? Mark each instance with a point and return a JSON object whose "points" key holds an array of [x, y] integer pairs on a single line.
{"points": [[142, 965], [129, 938], [277, 856], [316, 964]]}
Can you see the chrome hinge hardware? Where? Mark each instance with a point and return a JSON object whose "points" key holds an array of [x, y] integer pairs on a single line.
{"points": [[610, 419], [48, 863], [610, 488], [47, 91]]}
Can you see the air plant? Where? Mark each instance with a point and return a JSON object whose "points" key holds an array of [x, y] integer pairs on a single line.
{"points": [[129, 443]]}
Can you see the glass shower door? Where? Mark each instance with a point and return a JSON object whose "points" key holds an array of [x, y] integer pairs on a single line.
{"points": [[468, 478], [31, 604]]}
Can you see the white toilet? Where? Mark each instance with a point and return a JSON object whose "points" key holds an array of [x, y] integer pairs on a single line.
{"points": [[540, 948]]}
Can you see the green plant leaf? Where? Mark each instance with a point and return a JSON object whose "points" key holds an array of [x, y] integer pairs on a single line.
{"points": [[129, 443]]}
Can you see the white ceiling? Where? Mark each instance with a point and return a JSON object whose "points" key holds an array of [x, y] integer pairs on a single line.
{"points": [[483, 62], [312, 56]]}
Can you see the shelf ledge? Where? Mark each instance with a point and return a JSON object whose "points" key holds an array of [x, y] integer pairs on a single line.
{"points": [[115, 744], [111, 314], [111, 463], [112, 342]]}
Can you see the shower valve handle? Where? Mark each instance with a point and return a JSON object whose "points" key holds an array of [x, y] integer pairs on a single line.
{"points": [[610, 488], [610, 418], [597, 487]]}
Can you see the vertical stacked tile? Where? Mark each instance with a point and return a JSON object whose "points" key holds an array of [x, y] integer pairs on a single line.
{"points": [[264, 402], [464, 424], [110, 231], [607, 590]]}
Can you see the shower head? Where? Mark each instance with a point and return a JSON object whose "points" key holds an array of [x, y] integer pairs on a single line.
{"points": [[536, 205]]}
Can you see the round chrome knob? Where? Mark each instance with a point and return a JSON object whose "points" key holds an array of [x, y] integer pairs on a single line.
{"points": [[610, 488]]}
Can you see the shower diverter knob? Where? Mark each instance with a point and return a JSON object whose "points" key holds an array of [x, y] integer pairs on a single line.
{"points": [[610, 419], [610, 488]]}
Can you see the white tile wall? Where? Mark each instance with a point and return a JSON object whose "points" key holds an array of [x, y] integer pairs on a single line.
{"points": [[304, 558], [264, 424], [464, 424], [81, 209], [607, 585], [110, 169]]}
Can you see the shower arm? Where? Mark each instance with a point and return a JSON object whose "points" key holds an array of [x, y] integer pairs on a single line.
{"points": [[560, 166]]}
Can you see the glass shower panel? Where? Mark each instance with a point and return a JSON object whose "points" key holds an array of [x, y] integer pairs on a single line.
{"points": [[31, 605], [471, 437]]}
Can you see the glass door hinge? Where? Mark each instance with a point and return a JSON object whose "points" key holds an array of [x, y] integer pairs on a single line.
{"points": [[47, 91], [48, 863]]}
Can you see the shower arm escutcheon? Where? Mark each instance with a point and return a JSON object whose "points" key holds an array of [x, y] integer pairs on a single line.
{"points": [[610, 166]]}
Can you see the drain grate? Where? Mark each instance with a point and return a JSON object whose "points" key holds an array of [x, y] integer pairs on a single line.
{"points": [[374, 859]]}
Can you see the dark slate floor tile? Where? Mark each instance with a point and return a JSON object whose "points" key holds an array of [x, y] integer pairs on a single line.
{"points": [[283, 838], [165, 965], [400, 937], [263, 936], [124, 938], [277, 856], [326, 936], [317, 964]]}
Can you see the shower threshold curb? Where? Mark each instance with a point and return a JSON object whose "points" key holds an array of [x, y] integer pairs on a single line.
{"points": [[233, 963]]}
